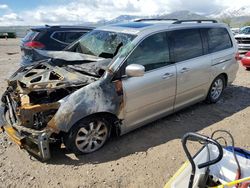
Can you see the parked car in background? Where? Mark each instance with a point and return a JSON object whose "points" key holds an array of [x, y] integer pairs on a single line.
{"points": [[245, 60], [243, 39], [115, 79], [53, 38]]}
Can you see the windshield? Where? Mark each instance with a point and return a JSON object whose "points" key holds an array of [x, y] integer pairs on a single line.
{"points": [[104, 44], [245, 30]]}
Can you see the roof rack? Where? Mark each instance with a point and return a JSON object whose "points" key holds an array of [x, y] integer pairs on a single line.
{"points": [[197, 21], [154, 19]]}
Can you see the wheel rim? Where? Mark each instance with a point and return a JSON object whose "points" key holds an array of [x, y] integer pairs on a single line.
{"points": [[91, 137], [217, 88]]}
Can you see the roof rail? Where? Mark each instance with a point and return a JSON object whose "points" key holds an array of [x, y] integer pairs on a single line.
{"points": [[154, 19], [198, 21]]}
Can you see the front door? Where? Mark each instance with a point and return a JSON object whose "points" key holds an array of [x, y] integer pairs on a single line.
{"points": [[152, 95]]}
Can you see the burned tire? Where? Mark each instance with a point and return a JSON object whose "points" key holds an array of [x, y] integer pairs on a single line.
{"points": [[88, 135], [216, 89]]}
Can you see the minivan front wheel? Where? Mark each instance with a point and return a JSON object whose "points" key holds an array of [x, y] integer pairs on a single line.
{"points": [[88, 135], [216, 89]]}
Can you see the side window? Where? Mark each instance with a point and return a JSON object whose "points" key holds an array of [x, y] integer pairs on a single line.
{"points": [[152, 52], [245, 30], [66, 37], [187, 44], [59, 36], [218, 39], [72, 36]]}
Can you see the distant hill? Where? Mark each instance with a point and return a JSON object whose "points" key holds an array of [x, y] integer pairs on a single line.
{"points": [[236, 16], [183, 15]]}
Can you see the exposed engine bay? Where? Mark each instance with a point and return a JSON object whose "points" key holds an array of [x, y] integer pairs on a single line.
{"points": [[34, 91]]}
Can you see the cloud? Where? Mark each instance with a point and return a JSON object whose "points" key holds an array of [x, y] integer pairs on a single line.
{"points": [[10, 19], [198, 6], [81, 11], [91, 11], [86, 10], [3, 6]]}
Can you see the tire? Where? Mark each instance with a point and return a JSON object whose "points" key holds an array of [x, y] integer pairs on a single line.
{"points": [[216, 89], [88, 135], [248, 68]]}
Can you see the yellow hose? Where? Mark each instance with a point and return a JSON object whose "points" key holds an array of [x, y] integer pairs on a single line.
{"points": [[229, 184]]}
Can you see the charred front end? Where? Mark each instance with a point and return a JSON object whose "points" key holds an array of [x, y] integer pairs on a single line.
{"points": [[31, 100]]}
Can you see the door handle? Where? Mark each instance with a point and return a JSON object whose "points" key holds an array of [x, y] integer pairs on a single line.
{"points": [[167, 75], [185, 69]]}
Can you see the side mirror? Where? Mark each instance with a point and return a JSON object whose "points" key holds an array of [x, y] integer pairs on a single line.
{"points": [[135, 70]]}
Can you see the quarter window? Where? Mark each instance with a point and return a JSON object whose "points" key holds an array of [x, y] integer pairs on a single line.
{"points": [[67, 37], [72, 36], [152, 53], [187, 44], [218, 39]]}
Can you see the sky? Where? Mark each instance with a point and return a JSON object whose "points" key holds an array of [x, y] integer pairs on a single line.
{"points": [[40, 12]]}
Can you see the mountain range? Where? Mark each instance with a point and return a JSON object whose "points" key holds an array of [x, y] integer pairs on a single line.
{"points": [[236, 17]]}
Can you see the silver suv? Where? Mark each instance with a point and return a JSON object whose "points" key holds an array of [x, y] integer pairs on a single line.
{"points": [[115, 79]]}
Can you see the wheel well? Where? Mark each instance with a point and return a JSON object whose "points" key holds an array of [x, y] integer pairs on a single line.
{"points": [[226, 78]]}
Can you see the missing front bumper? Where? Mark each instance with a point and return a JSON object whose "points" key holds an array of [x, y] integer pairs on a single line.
{"points": [[35, 142]]}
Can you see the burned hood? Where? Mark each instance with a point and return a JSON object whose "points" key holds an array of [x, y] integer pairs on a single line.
{"points": [[46, 76]]}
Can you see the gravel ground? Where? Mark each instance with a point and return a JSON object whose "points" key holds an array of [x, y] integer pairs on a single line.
{"points": [[146, 157]]}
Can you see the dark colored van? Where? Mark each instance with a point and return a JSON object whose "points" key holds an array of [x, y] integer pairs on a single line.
{"points": [[53, 38]]}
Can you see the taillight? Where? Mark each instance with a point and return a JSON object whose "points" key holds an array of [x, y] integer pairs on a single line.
{"points": [[34, 44], [237, 56]]}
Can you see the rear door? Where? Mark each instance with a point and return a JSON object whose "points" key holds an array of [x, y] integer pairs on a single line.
{"points": [[151, 96], [193, 66], [223, 53]]}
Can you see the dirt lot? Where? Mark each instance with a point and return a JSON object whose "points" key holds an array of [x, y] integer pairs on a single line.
{"points": [[146, 157]]}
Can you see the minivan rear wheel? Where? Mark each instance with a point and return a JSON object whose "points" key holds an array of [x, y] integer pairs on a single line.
{"points": [[88, 135], [216, 89]]}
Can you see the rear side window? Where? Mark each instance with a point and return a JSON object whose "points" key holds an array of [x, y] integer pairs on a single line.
{"points": [[187, 44], [66, 37], [71, 36], [218, 39], [152, 53], [30, 36]]}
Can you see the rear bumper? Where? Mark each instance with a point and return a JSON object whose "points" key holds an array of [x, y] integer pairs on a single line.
{"points": [[35, 142]]}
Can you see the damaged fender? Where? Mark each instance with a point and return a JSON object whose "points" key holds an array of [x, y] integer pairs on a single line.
{"points": [[99, 96]]}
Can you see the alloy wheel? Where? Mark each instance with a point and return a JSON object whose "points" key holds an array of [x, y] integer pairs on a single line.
{"points": [[91, 137]]}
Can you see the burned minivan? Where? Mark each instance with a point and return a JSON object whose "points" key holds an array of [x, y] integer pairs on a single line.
{"points": [[114, 79]]}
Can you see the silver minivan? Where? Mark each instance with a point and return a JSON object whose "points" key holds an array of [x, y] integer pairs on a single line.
{"points": [[114, 79]]}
